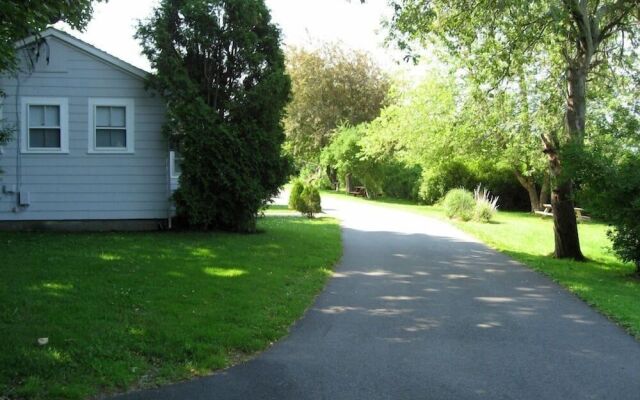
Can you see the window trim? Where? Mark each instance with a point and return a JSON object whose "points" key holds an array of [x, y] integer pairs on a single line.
{"points": [[129, 105], [63, 104], [172, 165]]}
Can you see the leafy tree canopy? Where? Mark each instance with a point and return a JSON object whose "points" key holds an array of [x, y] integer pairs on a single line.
{"points": [[331, 86], [565, 42]]}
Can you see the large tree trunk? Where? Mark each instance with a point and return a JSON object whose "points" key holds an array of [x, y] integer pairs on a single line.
{"points": [[347, 183], [332, 174], [529, 184], [565, 226], [567, 242], [545, 195]]}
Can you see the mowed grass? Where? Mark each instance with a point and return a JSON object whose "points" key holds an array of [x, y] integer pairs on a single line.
{"points": [[133, 310], [603, 281]]}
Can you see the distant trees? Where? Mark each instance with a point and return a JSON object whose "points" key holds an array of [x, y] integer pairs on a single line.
{"points": [[433, 138], [568, 42], [220, 68], [331, 86]]}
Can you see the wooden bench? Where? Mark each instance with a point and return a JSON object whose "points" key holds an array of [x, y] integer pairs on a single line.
{"points": [[548, 212], [360, 191]]}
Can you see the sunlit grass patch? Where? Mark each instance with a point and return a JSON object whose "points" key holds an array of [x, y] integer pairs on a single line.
{"points": [[140, 309]]}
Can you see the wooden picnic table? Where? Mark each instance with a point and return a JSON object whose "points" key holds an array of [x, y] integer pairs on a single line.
{"points": [[548, 212], [359, 191]]}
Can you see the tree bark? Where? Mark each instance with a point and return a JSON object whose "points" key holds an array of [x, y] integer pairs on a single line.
{"points": [[530, 186], [332, 174], [545, 196], [565, 226], [347, 183]]}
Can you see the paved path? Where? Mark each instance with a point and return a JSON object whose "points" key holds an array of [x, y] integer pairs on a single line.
{"points": [[419, 310]]}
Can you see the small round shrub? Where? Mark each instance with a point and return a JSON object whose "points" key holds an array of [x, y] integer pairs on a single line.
{"points": [[459, 203], [484, 211], [310, 201], [294, 196]]}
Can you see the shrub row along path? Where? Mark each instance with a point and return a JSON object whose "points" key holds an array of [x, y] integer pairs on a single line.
{"points": [[418, 310]]}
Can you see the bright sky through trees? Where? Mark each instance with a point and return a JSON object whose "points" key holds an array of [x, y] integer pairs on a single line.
{"points": [[303, 22]]}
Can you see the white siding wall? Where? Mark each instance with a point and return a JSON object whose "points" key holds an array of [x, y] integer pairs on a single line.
{"points": [[79, 185]]}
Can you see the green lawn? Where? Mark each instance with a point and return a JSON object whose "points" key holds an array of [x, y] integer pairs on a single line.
{"points": [[603, 281], [124, 310]]}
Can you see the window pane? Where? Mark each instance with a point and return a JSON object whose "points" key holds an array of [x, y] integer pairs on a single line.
{"points": [[52, 138], [36, 137], [177, 165], [36, 115], [103, 138], [111, 138], [102, 116], [118, 116], [52, 115], [44, 138], [118, 138]]}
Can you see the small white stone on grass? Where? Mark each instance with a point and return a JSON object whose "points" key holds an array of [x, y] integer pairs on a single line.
{"points": [[42, 341]]}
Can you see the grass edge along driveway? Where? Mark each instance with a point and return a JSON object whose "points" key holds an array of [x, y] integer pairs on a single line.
{"points": [[603, 282], [134, 310]]}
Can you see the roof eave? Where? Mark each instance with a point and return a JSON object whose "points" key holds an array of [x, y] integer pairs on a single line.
{"points": [[87, 48]]}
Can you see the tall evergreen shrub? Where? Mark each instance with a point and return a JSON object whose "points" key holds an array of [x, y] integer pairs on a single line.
{"points": [[220, 69]]}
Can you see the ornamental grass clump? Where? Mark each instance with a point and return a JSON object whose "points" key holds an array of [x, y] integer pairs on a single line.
{"points": [[486, 205], [459, 203]]}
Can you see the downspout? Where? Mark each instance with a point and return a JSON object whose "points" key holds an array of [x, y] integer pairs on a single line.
{"points": [[18, 145], [19, 135]]}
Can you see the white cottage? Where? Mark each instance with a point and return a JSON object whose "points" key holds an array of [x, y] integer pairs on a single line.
{"points": [[88, 150]]}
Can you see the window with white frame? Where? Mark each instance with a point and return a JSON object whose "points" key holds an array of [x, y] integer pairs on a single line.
{"points": [[175, 164], [44, 124], [111, 126]]}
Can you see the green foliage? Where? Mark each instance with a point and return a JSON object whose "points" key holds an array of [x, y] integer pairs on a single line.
{"points": [[400, 180], [310, 202], [379, 173], [221, 70], [459, 203], [331, 86], [305, 198], [21, 19], [557, 46], [294, 196], [316, 175], [611, 190], [442, 178]]}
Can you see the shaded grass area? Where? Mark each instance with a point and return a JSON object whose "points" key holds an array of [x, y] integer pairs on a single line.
{"points": [[279, 209], [125, 310], [603, 281]]}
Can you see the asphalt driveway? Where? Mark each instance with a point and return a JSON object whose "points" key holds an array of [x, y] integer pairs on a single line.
{"points": [[419, 310]]}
